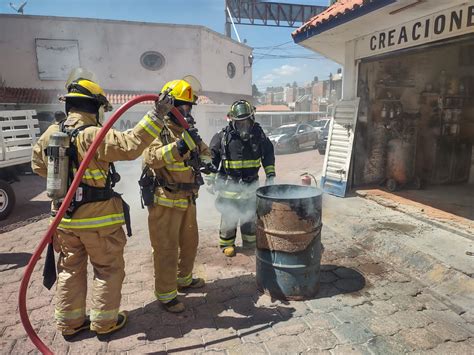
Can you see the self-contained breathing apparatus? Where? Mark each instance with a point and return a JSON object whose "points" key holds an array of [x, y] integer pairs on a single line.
{"points": [[63, 161]]}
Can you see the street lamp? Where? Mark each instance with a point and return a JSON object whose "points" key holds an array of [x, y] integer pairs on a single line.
{"points": [[249, 59]]}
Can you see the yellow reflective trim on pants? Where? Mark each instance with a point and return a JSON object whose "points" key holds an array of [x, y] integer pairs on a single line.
{"points": [[149, 126], [242, 164], [168, 155], [226, 242], [188, 140], [98, 315], [269, 169], [185, 281], [93, 222], [249, 238], [168, 202], [68, 315], [166, 297], [228, 194]]}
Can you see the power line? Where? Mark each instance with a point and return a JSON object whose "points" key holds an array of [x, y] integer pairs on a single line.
{"points": [[273, 46], [282, 56]]}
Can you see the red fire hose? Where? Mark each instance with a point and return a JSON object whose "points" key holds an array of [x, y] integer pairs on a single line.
{"points": [[64, 206]]}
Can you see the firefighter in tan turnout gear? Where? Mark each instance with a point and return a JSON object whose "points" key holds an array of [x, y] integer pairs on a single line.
{"points": [[92, 227], [170, 183]]}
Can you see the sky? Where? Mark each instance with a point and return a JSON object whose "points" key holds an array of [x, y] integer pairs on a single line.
{"points": [[269, 43]]}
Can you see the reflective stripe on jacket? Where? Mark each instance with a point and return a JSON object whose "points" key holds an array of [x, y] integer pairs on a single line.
{"points": [[163, 158], [241, 159]]}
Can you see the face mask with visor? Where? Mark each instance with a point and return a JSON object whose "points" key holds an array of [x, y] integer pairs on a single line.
{"points": [[242, 115]]}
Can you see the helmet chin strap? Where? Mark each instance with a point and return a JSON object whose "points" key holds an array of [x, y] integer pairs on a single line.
{"points": [[100, 115]]}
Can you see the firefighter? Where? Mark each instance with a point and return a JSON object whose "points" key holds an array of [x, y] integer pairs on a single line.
{"points": [[92, 227], [239, 150], [170, 165]]}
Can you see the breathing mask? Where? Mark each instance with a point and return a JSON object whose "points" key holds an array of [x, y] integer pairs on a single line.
{"points": [[242, 117], [243, 127]]}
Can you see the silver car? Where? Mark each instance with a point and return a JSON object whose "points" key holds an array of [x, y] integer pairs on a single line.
{"points": [[292, 137]]}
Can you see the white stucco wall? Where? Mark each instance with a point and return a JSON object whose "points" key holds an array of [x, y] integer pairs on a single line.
{"points": [[112, 50]]}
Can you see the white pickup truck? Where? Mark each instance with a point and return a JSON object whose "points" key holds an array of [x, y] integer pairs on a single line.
{"points": [[18, 133]]}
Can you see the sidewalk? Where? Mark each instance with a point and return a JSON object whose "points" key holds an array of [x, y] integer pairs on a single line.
{"points": [[365, 306]]}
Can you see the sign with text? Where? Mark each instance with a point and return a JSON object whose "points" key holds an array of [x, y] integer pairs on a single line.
{"points": [[444, 24]]}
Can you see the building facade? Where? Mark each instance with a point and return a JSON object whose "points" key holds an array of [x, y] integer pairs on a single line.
{"points": [[411, 64], [128, 58]]}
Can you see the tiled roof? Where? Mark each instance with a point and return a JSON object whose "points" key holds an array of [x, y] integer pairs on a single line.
{"points": [[29, 96], [51, 96], [273, 108], [337, 10]]}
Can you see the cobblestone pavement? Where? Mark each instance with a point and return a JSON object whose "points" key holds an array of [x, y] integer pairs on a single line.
{"points": [[365, 306]]}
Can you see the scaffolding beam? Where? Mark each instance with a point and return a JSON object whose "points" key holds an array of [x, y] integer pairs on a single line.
{"points": [[275, 14]]}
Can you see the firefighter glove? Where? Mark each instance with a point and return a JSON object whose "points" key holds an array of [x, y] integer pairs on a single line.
{"points": [[189, 141], [163, 105], [270, 180]]}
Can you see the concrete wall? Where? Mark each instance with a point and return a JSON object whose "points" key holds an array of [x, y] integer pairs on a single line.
{"points": [[112, 50]]}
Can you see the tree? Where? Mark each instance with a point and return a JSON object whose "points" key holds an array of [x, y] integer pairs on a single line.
{"points": [[255, 92]]}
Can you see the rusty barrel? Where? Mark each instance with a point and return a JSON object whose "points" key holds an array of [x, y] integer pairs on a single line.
{"points": [[288, 251]]}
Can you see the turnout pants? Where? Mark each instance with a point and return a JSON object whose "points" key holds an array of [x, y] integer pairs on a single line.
{"points": [[174, 238], [104, 247], [235, 212]]}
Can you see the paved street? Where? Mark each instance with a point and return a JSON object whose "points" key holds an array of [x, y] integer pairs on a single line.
{"points": [[370, 301]]}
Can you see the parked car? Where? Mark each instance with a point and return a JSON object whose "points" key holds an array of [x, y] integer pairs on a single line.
{"points": [[323, 133], [267, 130], [44, 120], [320, 124], [293, 137]]}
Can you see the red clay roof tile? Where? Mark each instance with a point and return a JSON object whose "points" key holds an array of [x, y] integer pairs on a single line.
{"points": [[51, 96], [339, 8]]}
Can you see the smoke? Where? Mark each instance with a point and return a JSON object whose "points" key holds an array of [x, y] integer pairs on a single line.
{"points": [[289, 192], [239, 210]]}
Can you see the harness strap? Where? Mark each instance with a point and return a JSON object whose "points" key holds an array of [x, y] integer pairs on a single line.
{"points": [[86, 193]]}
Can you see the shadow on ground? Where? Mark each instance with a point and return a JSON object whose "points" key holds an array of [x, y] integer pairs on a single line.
{"points": [[225, 304], [32, 204], [11, 261]]}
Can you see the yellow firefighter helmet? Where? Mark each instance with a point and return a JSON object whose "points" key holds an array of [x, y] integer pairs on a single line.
{"points": [[86, 88], [181, 90]]}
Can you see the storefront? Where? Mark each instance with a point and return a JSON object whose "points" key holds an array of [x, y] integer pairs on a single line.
{"points": [[411, 64]]}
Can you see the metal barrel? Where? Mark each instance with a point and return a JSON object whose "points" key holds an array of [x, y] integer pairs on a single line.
{"points": [[288, 251]]}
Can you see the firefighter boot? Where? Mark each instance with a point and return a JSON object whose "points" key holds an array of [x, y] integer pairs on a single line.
{"points": [[174, 306], [71, 333], [229, 251], [121, 320], [195, 283]]}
